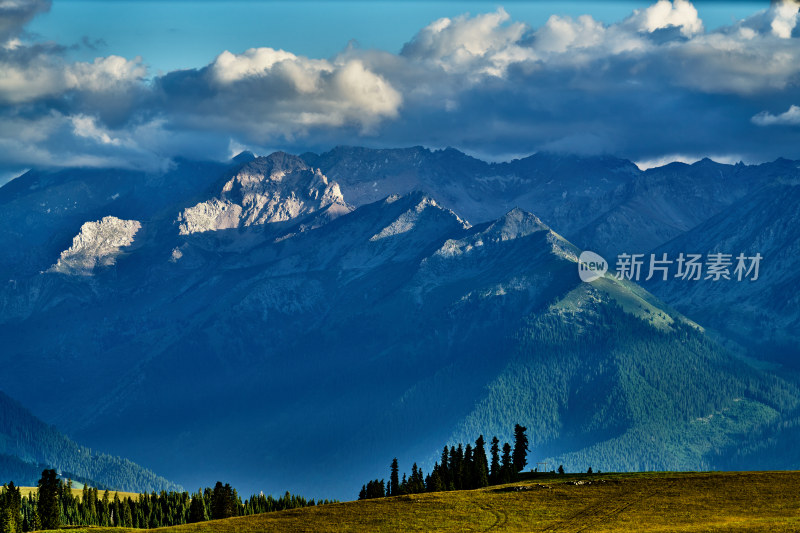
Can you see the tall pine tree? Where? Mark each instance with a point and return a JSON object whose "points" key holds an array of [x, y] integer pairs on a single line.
{"points": [[456, 460], [467, 467], [197, 509], [394, 479], [49, 500], [494, 472], [444, 469], [506, 474], [520, 456], [480, 470]]}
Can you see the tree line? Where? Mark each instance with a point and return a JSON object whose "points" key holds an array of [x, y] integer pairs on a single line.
{"points": [[459, 468], [54, 505]]}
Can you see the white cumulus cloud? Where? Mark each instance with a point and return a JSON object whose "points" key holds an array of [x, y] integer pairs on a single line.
{"points": [[44, 75], [485, 43], [664, 14], [280, 94], [784, 18], [257, 62], [791, 117]]}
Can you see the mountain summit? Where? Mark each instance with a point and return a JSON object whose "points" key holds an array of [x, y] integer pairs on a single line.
{"points": [[276, 188]]}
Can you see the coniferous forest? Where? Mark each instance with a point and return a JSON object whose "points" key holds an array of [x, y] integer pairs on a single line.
{"points": [[56, 505], [459, 468]]}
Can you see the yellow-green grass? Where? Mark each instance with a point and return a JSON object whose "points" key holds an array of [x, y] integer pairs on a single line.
{"points": [[27, 491], [645, 502]]}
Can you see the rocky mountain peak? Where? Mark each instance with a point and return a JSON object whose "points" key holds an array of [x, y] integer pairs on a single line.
{"points": [[276, 188], [516, 224], [97, 245]]}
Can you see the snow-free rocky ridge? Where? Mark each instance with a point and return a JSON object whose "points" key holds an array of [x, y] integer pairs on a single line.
{"points": [[97, 245], [265, 190]]}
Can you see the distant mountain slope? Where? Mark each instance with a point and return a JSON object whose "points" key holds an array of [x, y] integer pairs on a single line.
{"points": [[762, 315], [667, 201], [28, 445]]}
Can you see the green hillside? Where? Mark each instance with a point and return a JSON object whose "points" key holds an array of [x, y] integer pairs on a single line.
{"points": [[676, 502], [600, 386]]}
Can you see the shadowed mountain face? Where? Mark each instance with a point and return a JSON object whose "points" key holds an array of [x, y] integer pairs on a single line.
{"points": [[28, 445], [41, 211], [761, 315], [665, 202], [299, 338]]}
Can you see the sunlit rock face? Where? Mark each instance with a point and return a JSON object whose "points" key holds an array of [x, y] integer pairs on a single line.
{"points": [[270, 189], [97, 245]]}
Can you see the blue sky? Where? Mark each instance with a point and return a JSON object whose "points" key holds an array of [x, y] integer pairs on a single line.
{"points": [[181, 34], [135, 84]]}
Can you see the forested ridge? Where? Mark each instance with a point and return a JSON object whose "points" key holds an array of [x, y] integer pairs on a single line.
{"points": [[28, 445], [593, 384]]}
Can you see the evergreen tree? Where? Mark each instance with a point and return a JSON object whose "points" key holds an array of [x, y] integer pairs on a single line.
{"points": [[197, 509], [116, 512], [444, 469], [520, 448], [506, 474], [589, 471], [434, 482], [467, 467], [8, 523], [374, 489], [480, 470], [127, 514], [494, 473], [451, 469], [11, 501], [49, 500], [560, 469], [417, 481], [394, 481], [457, 458], [223, 502], [104, 516]]}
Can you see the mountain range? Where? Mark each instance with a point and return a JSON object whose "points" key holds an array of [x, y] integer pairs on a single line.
{"points": [[294, 322]]}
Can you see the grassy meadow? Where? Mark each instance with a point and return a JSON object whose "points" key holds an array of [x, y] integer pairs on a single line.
{"points": [[643, 502]]}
